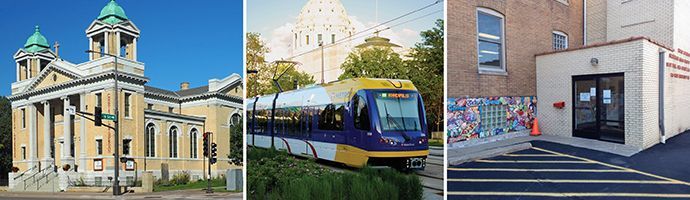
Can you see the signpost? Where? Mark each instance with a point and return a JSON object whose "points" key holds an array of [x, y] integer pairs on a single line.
{"points": [[110, 117]]}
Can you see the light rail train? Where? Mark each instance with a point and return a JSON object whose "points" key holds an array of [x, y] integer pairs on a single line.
{"points": [[356, 122]]}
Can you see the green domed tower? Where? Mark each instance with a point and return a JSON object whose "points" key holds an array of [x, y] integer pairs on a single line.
{"points": [[112, 32], [112, 13], [37, 42]]}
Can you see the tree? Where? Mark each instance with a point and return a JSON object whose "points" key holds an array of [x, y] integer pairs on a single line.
{"points": [[374, 62], [236, 144], [426, 65], [5, 136], [261, 83]]}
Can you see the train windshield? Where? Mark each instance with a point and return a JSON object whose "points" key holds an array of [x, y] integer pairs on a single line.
{"points": [[398, 111]]}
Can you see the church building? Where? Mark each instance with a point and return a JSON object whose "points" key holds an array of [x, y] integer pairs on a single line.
{"points": [[160, 131]]}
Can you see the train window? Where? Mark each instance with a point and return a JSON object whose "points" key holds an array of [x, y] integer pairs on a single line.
{"points": [[331, 118], [360, 113]]}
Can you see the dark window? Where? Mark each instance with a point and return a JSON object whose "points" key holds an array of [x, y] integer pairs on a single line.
{"points": [[331, 117], [99, 147], [172, 140], [171, 109], [149, 106], [360, 113], [193, 144], [126, 144], [23, 153], [127, 104], [23, 118], [150, 141]]}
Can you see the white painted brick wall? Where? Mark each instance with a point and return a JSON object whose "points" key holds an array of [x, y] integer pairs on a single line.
{"points": [[650, 18], [634, 59]]}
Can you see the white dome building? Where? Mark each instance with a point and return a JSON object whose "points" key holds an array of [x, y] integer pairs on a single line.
{"points": [[321, 22]]}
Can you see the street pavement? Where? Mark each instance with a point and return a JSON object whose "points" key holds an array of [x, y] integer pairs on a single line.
{"points": [[556, 171], [179, 194]]}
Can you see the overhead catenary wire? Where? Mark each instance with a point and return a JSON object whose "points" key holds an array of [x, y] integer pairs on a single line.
{"points": [[361, 36], [355, 35]]}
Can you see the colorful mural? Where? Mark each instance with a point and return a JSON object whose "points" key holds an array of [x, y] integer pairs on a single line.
{"points": [[465, 116]]}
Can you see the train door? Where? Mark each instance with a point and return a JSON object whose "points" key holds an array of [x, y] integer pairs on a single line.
{"points": [[360, 121]]}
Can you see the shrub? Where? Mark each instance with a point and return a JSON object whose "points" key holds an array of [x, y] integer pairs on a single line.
{"points": [[181, 178], [276, 175]]}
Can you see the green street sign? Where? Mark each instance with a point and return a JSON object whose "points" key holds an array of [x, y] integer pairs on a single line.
{"points": [[108, 117]]}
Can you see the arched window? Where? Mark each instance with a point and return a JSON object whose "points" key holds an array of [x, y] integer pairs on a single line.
{"points": [[490, 41], [150, 141], [193, 143], [172, 139]]}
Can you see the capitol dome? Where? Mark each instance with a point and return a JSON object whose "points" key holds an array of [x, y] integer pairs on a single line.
{"points": [[321, 21]]}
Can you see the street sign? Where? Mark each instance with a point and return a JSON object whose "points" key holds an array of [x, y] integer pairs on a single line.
{"points": [[108, 117], [71, 110]]}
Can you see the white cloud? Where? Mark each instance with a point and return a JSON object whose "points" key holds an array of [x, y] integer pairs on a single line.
{"points": [[280, 42]]}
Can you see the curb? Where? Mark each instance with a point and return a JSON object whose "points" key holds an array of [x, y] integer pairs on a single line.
{"points": [[481, 154]]}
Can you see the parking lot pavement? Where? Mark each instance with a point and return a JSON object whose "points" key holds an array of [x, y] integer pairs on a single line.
{"points": [[543, 172]]}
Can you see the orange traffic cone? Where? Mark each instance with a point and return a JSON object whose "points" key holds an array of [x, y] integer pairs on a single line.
{"points": [[535, 128]]}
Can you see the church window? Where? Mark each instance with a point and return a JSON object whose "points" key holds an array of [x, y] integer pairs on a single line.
{"points": [[23, 118], [150, 141], [99, 146], [172, 142], [193, 144], [128, 107]]}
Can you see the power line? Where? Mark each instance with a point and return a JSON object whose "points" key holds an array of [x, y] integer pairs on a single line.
{"points": [[351, 37]]}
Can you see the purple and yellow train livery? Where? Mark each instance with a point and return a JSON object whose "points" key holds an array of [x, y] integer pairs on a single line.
{"points": [[356, 122]]}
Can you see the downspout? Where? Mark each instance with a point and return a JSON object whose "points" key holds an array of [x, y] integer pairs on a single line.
{"points": [[584, 22], [662, 128]]}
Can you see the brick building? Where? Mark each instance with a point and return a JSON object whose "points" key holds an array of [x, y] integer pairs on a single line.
{"points": [[492, 83], [629, 84]]}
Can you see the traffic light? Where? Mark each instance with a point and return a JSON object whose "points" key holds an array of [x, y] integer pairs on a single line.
{"points": [[206, 144], [213, 153], [97, 121]]}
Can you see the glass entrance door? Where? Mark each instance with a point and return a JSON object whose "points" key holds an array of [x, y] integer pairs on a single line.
{"points": [[598, 108]]}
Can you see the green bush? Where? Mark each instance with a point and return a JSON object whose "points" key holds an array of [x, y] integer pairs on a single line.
{"points": [[181, 178], [277, 175]]}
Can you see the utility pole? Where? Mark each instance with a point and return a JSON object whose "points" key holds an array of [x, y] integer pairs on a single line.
{"points": [[116, 181], [323, 68]]}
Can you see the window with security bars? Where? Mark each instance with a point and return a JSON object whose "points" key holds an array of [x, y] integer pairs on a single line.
{"points": [[560, 40], [492, 117]]}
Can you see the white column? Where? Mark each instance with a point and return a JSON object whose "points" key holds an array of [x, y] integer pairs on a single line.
{"points": [[134, 49], [106, 41], [91, 48], [28, 65], [67, 131], [82, 131], [33, 137], [46, 131], [18, 71], [117, 44]]}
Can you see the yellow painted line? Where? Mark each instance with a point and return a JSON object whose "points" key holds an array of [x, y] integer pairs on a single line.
{"points": [[615, 166], [538, 170], [567, 194], [535, 161], [559, 181], [531, 155]]}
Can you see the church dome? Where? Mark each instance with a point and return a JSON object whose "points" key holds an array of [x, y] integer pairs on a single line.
{"points": [[112, 13], [36, 42]]}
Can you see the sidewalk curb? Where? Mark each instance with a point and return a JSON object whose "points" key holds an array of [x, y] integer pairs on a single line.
{"points": [[471, 156]]}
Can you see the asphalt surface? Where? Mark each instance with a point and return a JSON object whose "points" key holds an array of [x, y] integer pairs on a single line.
{"points": [[557, 171]]}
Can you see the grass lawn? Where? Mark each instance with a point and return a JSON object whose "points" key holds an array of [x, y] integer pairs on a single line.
{"points": [[215, 183], [436, 143]]}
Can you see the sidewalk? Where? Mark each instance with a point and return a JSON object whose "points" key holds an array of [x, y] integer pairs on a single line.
{"points": [[179, 194]]}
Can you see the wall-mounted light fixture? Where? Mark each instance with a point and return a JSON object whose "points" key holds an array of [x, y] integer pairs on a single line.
{"points": [[594, 62]]}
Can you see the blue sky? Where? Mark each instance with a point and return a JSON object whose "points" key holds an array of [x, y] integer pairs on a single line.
{"points": [[180, 40], [269, 18]]}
